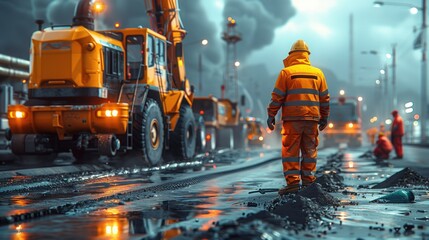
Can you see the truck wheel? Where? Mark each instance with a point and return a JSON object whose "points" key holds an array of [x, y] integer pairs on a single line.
{"points": [[18, 144], [79, 154], [108, 145], [201, 135], [210, 139], [182, 140], [225, 138], [148, 132], [240, 137]]}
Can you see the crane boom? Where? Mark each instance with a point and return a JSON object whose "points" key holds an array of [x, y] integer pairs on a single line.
{"points": [[165, 19]]}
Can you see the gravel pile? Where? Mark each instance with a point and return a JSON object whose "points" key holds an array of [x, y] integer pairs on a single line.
{"points": [[331, 182], [404, 178], [318, 195]]}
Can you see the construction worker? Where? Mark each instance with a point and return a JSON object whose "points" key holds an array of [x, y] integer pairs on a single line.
{"points": [[302, 93], [383, 147], [371, 133], [397, 132]]}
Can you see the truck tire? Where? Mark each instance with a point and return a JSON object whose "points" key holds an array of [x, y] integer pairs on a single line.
{"points": [[148, 133], [210, 141], [183, 138], [201, 134], [108, 145], [79, 155], [225, 138], [240, 137]]}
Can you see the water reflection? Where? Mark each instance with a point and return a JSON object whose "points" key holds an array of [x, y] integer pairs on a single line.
{"points": [[19, 233], [19, 200]]}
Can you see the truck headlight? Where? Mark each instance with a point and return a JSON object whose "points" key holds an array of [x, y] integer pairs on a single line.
{"points": [[17, 114], [107, 113]]}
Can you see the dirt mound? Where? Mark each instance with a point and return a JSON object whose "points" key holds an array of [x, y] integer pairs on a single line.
{"points": [[297, 210], [318, 195], [330, 182], [404, 178], [333, 164]]}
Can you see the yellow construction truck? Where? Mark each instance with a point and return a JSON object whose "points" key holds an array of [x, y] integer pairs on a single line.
{"points": [[13, 89], [255, 132], [345, 124], [224, 126], [108, 91]]}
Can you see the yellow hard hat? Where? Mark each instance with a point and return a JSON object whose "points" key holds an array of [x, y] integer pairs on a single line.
{"points": [[299, 46]]}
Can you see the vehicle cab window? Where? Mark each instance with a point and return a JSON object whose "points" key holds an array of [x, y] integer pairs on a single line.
{"points": [[135, 57]]}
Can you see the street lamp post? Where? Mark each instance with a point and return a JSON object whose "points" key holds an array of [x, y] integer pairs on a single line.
{"points": [[423, 39], [424, 76]]}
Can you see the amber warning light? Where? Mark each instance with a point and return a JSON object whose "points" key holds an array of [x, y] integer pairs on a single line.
{"points": [[99, 7]]}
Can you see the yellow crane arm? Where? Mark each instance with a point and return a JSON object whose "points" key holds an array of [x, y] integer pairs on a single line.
{"points": [[165, 20]]}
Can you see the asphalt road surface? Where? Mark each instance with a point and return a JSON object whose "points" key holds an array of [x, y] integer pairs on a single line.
{"points": [[207, 198]]}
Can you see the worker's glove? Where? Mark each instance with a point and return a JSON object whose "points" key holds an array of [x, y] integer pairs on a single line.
{"points": [[270, 122], [323, 122]]}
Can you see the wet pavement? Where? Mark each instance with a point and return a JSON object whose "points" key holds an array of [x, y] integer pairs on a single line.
{"points": [[221, 207]]}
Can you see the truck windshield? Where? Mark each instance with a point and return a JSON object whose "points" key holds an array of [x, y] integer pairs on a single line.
{"points": [[204, 108], [343, 112]]}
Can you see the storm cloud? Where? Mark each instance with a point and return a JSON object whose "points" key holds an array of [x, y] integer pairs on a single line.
{"points": [[257, 21]]}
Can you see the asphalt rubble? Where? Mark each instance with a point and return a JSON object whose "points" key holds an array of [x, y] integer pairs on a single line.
{"points": [[309, 213], [283, 217]]}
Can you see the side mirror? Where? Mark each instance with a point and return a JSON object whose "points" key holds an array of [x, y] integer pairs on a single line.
{"points": [[179, 50], [243, 100]]}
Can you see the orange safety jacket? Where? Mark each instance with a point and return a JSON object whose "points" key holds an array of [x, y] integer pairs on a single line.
{"points": [[300, 90], [397, 127]]}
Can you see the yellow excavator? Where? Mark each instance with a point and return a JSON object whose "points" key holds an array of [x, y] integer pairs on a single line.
{"points": [[108, 91]]}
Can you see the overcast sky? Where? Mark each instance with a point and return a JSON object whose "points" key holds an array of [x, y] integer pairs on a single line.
{"points": [[268, 28]]}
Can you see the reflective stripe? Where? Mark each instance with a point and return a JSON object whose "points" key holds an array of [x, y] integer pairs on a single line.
{"points": [[301, 103], [324, 93], [290, 159], [309, 160], [304, 76], [292, 172], [324, 104], [303, 91], [279, 92], [307, 173], [274, 103], [294, 118]]}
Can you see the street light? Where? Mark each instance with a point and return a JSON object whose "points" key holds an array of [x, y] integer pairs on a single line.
{"points": [[414, 10]]}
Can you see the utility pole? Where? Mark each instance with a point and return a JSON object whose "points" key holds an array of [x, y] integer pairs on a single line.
{"points": [[200, 72], [395, 100], [424, 76], [351, 63]]}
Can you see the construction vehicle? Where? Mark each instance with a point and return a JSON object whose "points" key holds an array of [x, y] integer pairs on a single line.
{"points": [[224, 126], [255, 132], [344, 124], [108, 91], [13, 89]]}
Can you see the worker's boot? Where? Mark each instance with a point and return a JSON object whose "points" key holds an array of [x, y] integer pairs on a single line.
{"points": [[305, 184], [294, 188]]}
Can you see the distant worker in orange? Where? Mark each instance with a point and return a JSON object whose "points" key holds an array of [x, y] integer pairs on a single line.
{"points": [[371, 133], [397, 132], [383, 130], [383, 147], [302, 93]]}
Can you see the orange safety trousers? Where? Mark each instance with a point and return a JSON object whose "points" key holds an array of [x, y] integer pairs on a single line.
{"points": [[299, 136]]}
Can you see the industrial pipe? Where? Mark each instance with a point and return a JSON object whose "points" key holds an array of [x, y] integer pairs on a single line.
{"points": [[12, 62], [7, 72]]}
